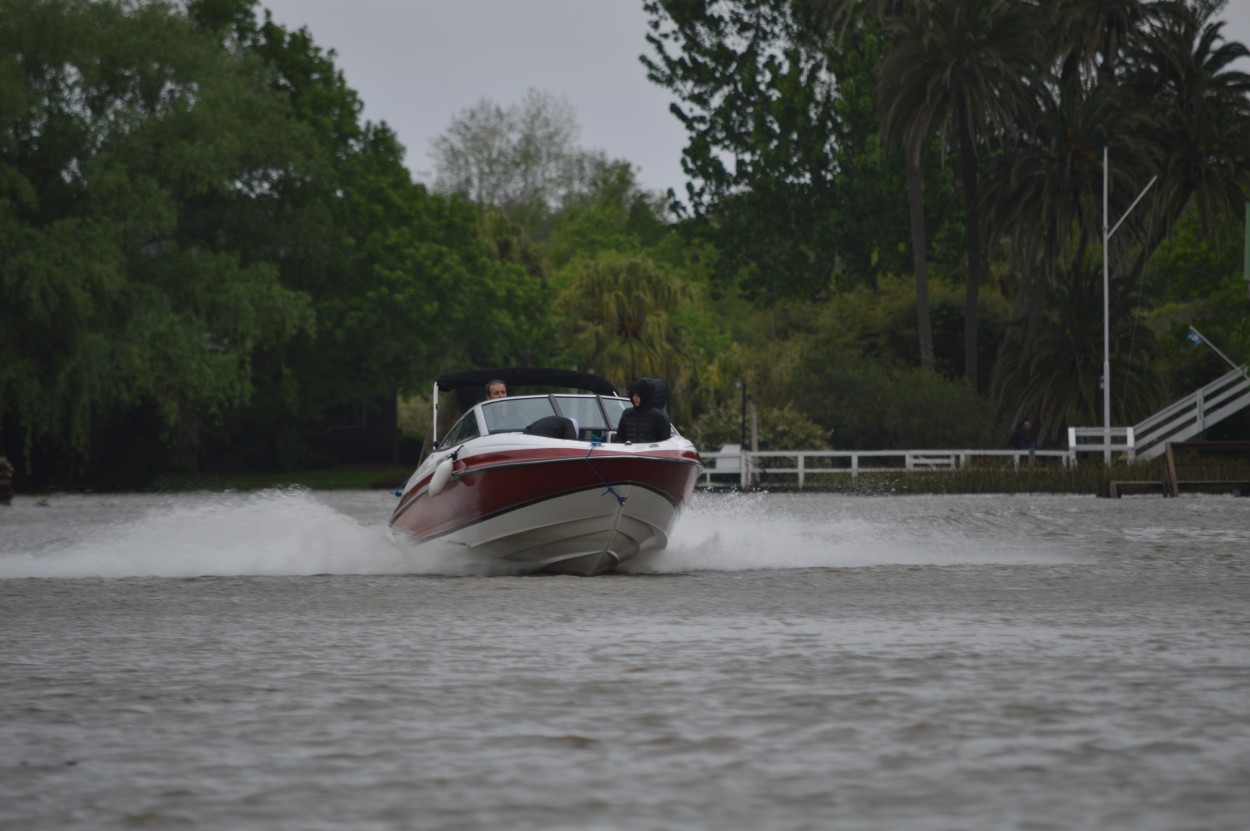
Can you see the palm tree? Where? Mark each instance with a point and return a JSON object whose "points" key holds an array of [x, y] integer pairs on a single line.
{"points": [[1059, 383], [961, 68], [1092, 34], [1179, 111], [619, 321], [1046, 190], [1200, 107], [1049, 185]]}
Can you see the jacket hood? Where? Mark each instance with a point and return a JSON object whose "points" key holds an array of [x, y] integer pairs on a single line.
{"points": [[652, 392]]}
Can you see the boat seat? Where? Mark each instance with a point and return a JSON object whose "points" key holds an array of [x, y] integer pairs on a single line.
{"points": [[553, 427]]}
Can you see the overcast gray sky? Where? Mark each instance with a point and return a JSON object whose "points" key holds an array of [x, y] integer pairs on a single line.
{"points": [[416, 64]]}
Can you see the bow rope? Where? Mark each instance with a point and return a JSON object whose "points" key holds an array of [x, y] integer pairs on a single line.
{"points": [[619, 499]]}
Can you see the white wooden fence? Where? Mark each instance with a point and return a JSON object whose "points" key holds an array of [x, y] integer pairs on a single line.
{"points": [[730, 466], [1178, 422]]}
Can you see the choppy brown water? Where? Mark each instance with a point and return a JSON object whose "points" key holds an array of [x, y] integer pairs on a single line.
{"points": [[793, 662]]}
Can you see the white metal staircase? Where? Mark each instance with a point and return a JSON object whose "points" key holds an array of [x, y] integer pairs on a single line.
{"points": [[1177, 422], [1193, 414]]}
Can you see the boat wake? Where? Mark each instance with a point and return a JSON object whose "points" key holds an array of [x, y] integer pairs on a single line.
{"points": [[747, 531], [277, 532], [294, 532]]}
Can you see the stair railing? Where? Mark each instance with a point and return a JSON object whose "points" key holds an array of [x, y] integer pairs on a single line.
{"points": [[1193, 414]]}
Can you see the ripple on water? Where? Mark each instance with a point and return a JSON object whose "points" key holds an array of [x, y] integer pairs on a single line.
{"points": [[932, 663]]}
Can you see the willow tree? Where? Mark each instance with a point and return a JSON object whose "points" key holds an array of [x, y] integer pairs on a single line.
{"points": [[122, 307]]}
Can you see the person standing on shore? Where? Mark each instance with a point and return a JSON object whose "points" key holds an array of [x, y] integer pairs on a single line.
{"points": [[1023, 438]]}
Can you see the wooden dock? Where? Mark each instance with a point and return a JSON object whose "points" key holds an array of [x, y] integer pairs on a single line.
{"points": [[1183, 472]]}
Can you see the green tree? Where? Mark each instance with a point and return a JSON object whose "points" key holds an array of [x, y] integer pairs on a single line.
{"points": [[205, 247], [1060, 384], [523, 160], [1151, 84], [1092, 34], [1046, 192], [119, 123], [839, 15], [960, 68], [1195, 279], [403, 283], [760, 107], [614, 215], [862, 404], [620, 321], [1185, 73], [776, 428]]}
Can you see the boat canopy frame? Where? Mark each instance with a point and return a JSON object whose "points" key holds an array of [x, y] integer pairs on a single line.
{"points": [[526, 376], [516, 376]]}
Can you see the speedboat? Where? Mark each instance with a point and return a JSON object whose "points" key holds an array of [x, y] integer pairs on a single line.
{"points": [[537, 482]]}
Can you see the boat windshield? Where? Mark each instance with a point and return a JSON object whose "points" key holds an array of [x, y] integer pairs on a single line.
{"points": [[504, 414], [594, 414], [587, 412], [462, 431]]}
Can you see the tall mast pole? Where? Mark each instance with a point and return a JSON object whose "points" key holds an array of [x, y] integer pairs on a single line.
{"points": [[1106, 303], [1106, 323]]}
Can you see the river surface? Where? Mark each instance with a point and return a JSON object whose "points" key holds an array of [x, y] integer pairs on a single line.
{"points": [[276, 661]]}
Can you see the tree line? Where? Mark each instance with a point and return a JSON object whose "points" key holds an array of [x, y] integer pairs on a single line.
{"points": [[206, 250], [891, 236], [963, 141]]}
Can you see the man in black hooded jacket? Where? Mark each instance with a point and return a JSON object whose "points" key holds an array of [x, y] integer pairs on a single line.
{"points": [[644, 422]]}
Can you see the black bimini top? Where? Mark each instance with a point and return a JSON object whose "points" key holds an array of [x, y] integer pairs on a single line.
{"points": [[526, 376]]}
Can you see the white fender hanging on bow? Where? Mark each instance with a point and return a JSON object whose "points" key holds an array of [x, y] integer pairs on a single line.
{"points": [[442, 473]]}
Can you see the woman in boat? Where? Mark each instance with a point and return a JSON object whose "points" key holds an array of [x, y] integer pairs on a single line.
{"points": [[645, 422]]}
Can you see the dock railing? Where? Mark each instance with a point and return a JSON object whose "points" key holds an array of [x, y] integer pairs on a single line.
{"points": [[1175, 423], [1193, 414], [730, 466], [1091, 440]]}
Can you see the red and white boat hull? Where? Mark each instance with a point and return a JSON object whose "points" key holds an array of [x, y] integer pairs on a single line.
{"points": [[551, 505]]}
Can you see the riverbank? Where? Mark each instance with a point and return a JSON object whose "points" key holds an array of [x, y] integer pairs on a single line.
{"points": [[1090, 478]]}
